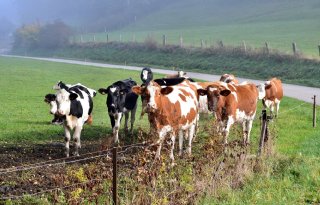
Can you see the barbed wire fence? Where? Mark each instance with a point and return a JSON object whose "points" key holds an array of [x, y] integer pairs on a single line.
{"points": [[120, 151], [265, 119]]}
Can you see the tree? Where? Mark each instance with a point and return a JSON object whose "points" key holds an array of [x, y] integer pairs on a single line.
{"points": [[50, 36], [54, 35], [26, 36]]}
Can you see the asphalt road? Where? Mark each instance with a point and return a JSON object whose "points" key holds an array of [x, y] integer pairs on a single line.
{"points": [[303, 93]]}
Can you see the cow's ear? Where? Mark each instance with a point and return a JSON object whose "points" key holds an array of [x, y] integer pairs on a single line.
{"points": [[166, 90], [202, 92], [103, 91], [225, 92], [137, 89], [73, 96]]}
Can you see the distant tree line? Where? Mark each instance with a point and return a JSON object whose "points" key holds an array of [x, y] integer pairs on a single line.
{"points": [[49, 36]]}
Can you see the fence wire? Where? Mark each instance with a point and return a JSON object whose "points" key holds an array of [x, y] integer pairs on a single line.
{"points": [[49, 190]]}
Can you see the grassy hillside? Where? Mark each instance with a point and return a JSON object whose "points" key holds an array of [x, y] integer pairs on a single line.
{"points": [[290, 177], [278, 22]]}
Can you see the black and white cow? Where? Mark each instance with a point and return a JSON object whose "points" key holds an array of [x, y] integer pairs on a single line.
{"points": [[146, 75], [120, 100], [51, 100], [75, 103]]}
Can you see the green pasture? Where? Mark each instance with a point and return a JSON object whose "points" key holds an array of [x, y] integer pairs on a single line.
{"points": [[280, 23], [293, 176]]}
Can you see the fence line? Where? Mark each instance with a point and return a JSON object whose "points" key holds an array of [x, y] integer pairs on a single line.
{"points": [[125, 149], [294, 108], [52, 160], [43, 164]]}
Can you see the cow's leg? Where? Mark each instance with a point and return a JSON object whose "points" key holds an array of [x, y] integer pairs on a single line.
{"points": [[112, 121], [162, 135], [196, 127], [229, 123], [277, 107], [126, 117], [116, 127], [133, 118], [173, 138], [76, 138], [249, 127], [67, 137], [180, 142], [191, 133]]}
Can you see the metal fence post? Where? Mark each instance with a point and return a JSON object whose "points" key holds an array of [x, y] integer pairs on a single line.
{"points": [[263, 131], [114, 174]]}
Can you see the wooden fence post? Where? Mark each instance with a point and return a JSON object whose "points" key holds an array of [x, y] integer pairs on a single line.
{"points": [[181, 41], [164, 40], [133, 38], [263, 131], [114, 174], [267, 47], [319, 49], [107, 38], [294, 48], [314, 111], [201, 43]]}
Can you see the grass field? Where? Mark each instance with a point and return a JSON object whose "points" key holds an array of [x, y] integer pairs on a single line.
{"points": [[280, 23], [292, 176]]}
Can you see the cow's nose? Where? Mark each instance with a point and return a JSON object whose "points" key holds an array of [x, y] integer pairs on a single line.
{"points": [[60, 112]]}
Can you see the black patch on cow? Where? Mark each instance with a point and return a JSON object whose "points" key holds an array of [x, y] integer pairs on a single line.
{"points": [[49, 98], [90, 105], [76, 108], [123, 97], [62, 85], [77, 90], [169, 81]]}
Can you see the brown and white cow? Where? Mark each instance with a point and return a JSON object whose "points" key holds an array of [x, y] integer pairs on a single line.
{"points": [[272, 94], [171, 110], [229, 78], [232, 103]]}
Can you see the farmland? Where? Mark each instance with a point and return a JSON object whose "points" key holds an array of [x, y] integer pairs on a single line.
{"points": [[280, 23], [25, 122]]}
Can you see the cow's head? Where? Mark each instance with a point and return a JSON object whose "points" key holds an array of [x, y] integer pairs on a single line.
{"points": [[152, 94], [146, 75], [64, 99], [214, 94], [51, 100], [262, 90], [60, 85], [182, 74], [115, 99]]}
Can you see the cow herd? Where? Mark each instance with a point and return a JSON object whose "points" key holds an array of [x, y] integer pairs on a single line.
{"points": [[173, 105]]}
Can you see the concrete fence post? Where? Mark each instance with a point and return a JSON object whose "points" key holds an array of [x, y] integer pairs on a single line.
{"points": [[164, 40]]}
